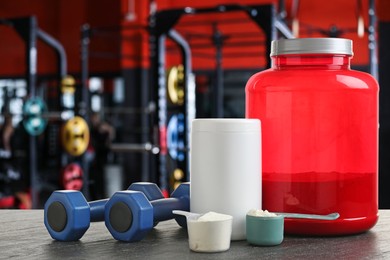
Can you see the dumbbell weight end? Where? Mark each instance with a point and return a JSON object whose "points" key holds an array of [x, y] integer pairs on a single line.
{"points": [[129, 215], [67, 215], [125, 210]]}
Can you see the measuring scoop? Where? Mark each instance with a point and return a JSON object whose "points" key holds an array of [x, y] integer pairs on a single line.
{"points": [[208, 232], [266, 229]]}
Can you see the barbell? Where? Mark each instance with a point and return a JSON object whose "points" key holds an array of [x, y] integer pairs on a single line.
{"points": [[75, 132], [175, 141], [75, 136]]}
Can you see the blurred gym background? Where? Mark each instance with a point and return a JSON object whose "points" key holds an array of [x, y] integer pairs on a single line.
{"points": [[97, 94]]}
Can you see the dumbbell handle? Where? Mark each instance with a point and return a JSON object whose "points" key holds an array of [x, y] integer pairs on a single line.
{"points": [[97, 206], [162, 208], [97, 209]]}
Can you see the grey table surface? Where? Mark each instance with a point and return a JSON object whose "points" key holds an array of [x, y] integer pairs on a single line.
{"points": [[24, 236]]}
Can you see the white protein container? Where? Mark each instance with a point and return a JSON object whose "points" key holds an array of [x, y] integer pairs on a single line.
{"points": [[225, 168]]}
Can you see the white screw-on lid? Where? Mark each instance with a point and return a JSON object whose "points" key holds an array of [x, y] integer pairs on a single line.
{"points": [[225, 125], [311, 46]]}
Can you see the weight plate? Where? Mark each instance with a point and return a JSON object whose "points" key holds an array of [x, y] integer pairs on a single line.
{"points": [[175, 137], [175, 85], [72, 177], [33, 121], [68, 85], [75, 136]]}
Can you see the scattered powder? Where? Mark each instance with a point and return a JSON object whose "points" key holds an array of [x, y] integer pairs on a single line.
{"points": [[261, 213], [213, 216]]}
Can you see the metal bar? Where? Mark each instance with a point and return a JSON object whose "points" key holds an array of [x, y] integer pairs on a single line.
{"points": [[243, 54], [372, 44], [27, 29], [143, 147], [152, 87], [283, 28], [32, 59], [264, 16], [5, 22], [118, 28], [45, 115], [61, 61], [82, 104], [218, 9], [227, 55], [226, 44], [208, 22], [148, 108], [118, 37], [60, 51], [187, 63], [129, 110], [129, 147], [162, 113], [230, 36], [111, 55], [282, 14]]}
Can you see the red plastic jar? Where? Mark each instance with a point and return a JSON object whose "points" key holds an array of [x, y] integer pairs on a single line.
{"points": [[319, 135]]}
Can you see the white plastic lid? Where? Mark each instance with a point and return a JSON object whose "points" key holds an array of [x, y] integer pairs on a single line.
{"points": [[311, 46], [225, 125]]}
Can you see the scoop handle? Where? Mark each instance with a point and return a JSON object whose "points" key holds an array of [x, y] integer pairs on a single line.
{"points": [[332, 216], [185, 213]]}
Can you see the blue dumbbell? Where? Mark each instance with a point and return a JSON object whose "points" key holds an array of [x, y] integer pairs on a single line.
{"points": [[129, 216], [67, 215]]}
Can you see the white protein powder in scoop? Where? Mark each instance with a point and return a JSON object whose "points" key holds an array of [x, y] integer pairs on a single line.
{"points": [[213, 216], [260, 213]]}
